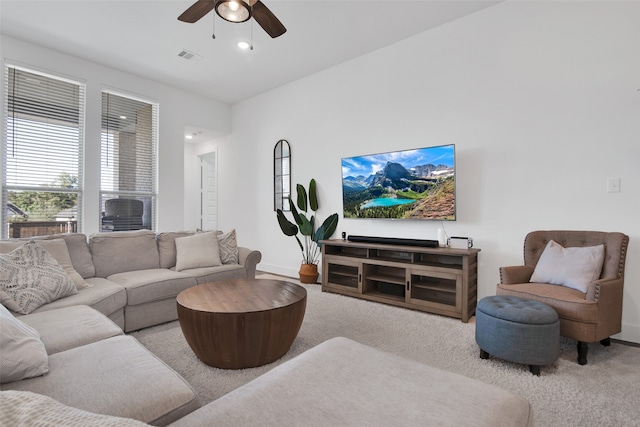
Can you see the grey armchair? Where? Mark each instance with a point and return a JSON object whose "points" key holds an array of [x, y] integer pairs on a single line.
{"points": [[586, 317]]}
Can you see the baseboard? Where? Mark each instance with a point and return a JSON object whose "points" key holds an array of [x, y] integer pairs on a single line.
{"points": [[629, 334], [282, 271], [277, 269]]}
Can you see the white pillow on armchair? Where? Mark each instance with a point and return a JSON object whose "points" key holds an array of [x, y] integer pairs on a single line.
{"points": [[573, 267]]}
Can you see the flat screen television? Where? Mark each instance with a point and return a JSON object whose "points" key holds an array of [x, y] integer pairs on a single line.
{"points": [[409, 184]]}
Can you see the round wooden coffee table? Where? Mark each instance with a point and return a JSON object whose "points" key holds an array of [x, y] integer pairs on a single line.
{"points": [[241, 323]]}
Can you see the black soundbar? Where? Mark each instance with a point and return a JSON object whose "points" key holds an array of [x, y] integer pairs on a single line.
{"points": [[394, 241]]}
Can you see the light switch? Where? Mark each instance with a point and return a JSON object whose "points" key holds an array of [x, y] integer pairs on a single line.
{"points": [[613, 185]]}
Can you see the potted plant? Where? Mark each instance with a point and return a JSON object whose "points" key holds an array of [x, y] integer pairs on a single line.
{"points": [[310, 242]]}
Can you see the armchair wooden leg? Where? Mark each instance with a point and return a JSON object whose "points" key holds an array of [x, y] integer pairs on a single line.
{"points": [[583, 348], [606, 342], [483, 354], [535, 369]]}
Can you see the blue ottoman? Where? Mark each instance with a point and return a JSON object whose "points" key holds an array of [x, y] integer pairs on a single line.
{"points": [[518, 330]]}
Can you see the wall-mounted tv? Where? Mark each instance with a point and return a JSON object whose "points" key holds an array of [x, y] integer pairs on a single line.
{"points": [[408, 184]]}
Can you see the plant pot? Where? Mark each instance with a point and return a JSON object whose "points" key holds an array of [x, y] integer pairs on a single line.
{"points": [[308, 273]]}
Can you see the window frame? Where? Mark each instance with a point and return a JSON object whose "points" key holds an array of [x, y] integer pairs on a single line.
{"points": [[47, 125], [150, 198]]}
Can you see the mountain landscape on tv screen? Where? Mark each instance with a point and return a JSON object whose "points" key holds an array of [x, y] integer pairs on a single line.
{"points": [[395, 191]]}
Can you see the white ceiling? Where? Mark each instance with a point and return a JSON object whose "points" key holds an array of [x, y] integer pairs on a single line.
{"points": [[144, 37]]}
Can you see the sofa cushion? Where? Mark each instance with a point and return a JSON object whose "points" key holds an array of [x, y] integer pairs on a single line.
{"points": [[22, 353], [221, 272], [58, 249], [151, 285], [365, 387], [199, 250], [573, 267], [69, 327], [117, 377], [105, 296], [124, 251], [79, 252], [24, 408], [31, 277], [167, 246], [228, 247], [569, 303]]}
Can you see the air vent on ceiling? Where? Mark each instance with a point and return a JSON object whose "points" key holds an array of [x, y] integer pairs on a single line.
{"points": [[185, 54]]}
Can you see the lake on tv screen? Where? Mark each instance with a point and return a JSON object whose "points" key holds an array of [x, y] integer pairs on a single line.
{"points": [[385, 202]]}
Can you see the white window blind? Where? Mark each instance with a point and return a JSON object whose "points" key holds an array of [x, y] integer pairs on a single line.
{"points": [[42, 154], [128, 162]]}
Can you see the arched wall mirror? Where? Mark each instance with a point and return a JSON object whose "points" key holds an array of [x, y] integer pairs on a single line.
{"points": [[281, 175]]}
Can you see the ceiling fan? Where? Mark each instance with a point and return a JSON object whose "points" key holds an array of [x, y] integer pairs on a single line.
{"points": [[236, 11]]}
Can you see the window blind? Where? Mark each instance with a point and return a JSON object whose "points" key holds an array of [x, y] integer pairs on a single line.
{"points": [[128, 163], [43, 153]]}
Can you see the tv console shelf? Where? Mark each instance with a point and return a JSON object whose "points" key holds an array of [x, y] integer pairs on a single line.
{"points": [[436, 280]]}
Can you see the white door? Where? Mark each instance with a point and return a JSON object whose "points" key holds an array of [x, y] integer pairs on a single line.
{"points": [[208, 192]]}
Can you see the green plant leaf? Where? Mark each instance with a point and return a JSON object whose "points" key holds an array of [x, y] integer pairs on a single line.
{"points": [[306, 228], [302, 197], [300, 244], [313, 195], [327, 229], [296, 216], [287, 227]]}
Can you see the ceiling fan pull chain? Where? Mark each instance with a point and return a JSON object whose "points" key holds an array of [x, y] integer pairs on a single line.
{"points": [[213, 31], [251, 37]]}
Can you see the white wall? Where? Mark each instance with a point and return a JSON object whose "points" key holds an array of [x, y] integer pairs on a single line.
{"points": [[176, 109], [540, 99]]}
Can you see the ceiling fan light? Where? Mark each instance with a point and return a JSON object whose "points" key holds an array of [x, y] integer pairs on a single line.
{"points": [[233, 10]]}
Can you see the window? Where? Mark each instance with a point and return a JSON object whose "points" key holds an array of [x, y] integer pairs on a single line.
{"points": [[281, 175], [42, 154], [128, 163]]}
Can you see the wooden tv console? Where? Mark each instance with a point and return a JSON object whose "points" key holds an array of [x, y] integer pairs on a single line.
{"points": [[436, 280]]}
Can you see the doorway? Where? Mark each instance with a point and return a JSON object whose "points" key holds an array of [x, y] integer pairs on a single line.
{"points": [[208, 191]]}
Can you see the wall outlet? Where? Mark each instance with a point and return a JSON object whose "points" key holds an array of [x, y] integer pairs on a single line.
{"points": [[613, 185]]}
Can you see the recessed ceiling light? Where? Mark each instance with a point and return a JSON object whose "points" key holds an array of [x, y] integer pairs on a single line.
{"points": [[189, 136], [244, 45]]}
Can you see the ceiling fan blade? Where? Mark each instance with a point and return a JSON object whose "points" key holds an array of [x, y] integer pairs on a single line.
{"points": [[197, 11], [267, 20]]}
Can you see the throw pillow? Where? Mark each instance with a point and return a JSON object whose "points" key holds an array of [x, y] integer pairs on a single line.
{"points": [[23, 354], [228, 247], [26, 408], [31, 277], [199, 250], [58, 249], [573, 267]]}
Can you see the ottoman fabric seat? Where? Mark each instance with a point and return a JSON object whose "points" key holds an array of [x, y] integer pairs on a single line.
{"points": [[518, 330]]}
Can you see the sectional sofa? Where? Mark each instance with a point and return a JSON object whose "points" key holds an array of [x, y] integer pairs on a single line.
{"points": [[98, 377], [132, 276], [82, 360]]}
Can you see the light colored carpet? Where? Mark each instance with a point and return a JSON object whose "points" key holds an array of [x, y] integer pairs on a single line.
{"points": [[605, 392]]}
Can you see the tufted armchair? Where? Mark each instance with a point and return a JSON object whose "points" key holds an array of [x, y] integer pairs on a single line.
{"points": [[586, 317]]}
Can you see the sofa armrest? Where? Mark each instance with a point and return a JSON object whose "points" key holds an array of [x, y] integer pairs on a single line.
{"points": [[608, 296], [515, 274], [250, 259], [606, 291]]}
